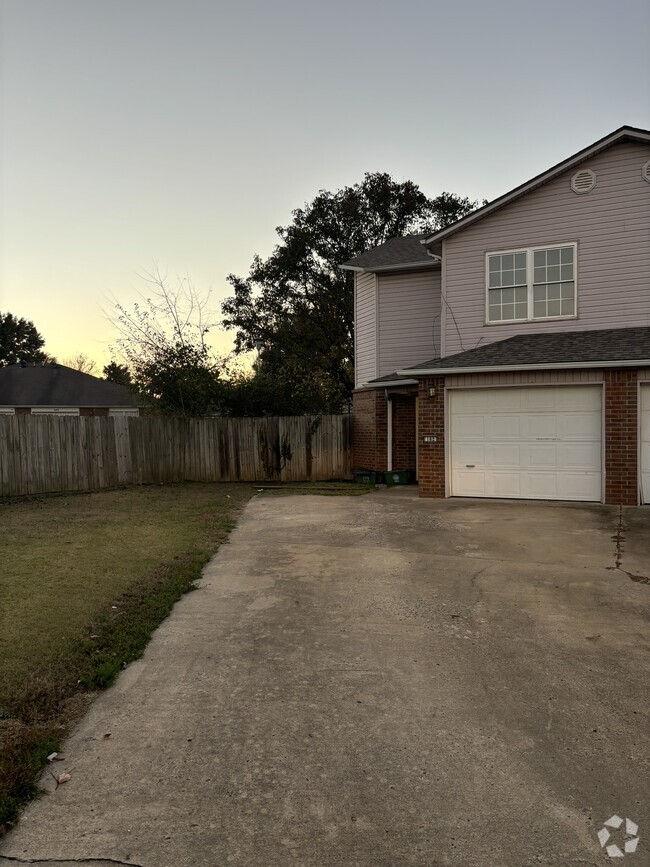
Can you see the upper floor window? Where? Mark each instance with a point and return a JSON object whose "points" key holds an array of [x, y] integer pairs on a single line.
{"points": [[535, 283]]}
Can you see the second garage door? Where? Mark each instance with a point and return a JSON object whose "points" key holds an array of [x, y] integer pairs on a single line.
{"points": [[535, 443]]}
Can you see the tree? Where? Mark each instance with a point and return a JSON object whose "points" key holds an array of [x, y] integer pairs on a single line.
{"points": [[20, 341], [118, 373], [162, 341], [81, 362], [296, 306]]}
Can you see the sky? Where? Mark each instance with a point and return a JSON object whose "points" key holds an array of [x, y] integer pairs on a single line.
{"points": [[183, 132]]}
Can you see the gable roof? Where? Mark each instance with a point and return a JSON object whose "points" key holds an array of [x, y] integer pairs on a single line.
{"points": [[623, 134], [394, 254], [57, 385], [612, 347]]}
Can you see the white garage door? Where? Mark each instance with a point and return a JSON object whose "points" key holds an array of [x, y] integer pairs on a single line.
{"points": [[645, 443], [539, 443]]}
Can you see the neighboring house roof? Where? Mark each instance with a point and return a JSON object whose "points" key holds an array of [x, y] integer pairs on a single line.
{"points": [[394, 254], [624, 134], [613, 347], [57, 385]]}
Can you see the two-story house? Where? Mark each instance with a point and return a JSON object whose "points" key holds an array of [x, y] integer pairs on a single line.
{"points": [[508, 355]]}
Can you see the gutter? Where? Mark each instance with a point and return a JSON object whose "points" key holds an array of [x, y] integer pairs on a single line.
{"points": [[408, 266], [511, 368]]}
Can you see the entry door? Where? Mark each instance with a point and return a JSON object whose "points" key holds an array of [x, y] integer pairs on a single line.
{"points": [[532, 443], [645, 443]]}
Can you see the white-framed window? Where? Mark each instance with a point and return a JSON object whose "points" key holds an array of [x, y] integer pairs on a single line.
{"points": [[120, 412], [530, 284], [55, 410]]}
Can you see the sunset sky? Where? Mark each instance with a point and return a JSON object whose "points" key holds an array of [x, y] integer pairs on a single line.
{"points": [[136, 131]]}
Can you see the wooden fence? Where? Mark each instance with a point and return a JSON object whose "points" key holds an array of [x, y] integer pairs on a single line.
{"points": [[40, 454]]}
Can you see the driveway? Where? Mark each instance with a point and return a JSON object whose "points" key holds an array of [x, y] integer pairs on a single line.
{"points": [[377, 681]]}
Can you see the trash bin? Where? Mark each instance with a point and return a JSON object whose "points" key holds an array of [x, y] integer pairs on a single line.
{"points": [[398, 477], [367, 477]]}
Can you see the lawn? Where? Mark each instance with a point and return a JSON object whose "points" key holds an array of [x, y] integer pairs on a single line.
{"points": [[84, 580]]}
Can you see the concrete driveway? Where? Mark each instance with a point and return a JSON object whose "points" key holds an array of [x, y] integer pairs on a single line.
{"points": [[377, 681]]}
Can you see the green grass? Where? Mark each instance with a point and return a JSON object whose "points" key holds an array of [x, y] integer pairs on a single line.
{"points": [[84, 581]]}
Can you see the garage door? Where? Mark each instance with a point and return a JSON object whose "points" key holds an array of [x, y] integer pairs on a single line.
{"points": [[538, 443], [645, 443]]}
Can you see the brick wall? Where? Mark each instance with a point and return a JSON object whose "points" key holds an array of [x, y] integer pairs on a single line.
{"points": [[432, 421], [621, 476], [369, 429], [404, 432]]}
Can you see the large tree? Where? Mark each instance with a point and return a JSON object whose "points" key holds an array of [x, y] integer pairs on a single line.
{"points": [[296, 306], [19, 341]]}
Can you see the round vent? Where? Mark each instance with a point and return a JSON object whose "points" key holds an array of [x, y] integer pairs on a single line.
{"points": [[583, 181], [645, 171]]}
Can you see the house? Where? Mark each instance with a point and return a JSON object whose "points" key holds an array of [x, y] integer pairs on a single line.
{"points": [[508, 355], [53, 389]]}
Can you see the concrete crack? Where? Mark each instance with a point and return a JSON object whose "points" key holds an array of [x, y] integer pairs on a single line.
{"points": [[619, 538], [15, 860]]}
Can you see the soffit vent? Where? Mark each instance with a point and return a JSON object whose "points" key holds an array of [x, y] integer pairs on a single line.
{"points": [[583, 181], [645, 171]]}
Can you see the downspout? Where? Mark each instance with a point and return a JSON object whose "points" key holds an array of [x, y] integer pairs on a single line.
{"points": [[389, 432]]}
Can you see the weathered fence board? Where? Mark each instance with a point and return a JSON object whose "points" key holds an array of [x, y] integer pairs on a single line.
{"points": [[42, 454]]}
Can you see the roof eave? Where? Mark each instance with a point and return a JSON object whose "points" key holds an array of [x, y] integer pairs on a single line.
{"points": [[510, 368], [390, 383], [585, 154], [407, 266]]}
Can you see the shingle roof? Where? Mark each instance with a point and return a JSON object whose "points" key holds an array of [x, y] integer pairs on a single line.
{"points": [[559, 349], [390, 377], [56, 385], [396, 252]]}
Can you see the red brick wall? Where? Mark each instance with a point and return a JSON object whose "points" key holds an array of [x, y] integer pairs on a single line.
{"points": [[91, 410], [621, 472], [369, 432], [404, 432], [432, 421]]}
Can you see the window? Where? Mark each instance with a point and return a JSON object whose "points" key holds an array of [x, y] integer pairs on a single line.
{"points": [[537, 283]]}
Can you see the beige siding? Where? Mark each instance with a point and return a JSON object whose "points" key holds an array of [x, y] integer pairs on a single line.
{"points": [[611, 226], [365, 328], [409, 319], [524, 377]]}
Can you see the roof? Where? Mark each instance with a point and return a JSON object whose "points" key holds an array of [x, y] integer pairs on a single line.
{"points": [[623, 134], [612, 347], [394, 254], [57, 385], [391, 379]]}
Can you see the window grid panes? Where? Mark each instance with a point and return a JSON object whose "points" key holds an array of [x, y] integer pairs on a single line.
{"points": [[508, 287], [549, 283], [553, 283]]}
